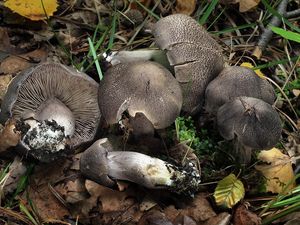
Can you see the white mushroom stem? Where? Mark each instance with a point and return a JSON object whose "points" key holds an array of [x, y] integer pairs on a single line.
{"points": [[101, 166]]}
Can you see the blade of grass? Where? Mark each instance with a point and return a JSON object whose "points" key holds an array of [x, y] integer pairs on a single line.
{"points": [[94, 54], [97, 46], [208, 11], [56, 36], [150, 12], [138, 29], [286, 34], [288, 210], [27, 213], [216, 19], [275, 13], [22, 183], [244, 26], [112, 32], [275, 63]]}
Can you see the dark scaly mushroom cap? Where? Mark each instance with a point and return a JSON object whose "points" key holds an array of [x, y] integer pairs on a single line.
{"points": [[54, 92], [235, 81], [195, 55], [140, 87], [254, 122]]}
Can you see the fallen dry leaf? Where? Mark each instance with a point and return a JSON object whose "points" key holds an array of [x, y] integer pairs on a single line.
{"points": [[185, 6], [4, 81], [16, 170], [154, 217], [9, 137], [14, 64], [220, 219], [243, 216], [40, 193], [246, 5], [278, 171], [32, 9], [198, 208], [111, 200]]}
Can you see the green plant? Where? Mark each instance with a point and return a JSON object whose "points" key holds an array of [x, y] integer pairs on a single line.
{"points": [[200, 141], [283, 204]]}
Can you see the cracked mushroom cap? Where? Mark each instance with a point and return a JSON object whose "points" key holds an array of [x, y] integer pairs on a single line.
{"points": [[254, 122], [54, 92], [140, 87], [235, 81], [196, 56]]}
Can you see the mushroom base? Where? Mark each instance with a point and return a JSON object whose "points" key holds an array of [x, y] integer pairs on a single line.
{"points": [[185, 180], [45, 141]]}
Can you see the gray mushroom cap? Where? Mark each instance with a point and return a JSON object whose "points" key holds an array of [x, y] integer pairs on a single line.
{"points": [[235, 81], [196, 56], [54, 92], [254, 122], [140, 87]]}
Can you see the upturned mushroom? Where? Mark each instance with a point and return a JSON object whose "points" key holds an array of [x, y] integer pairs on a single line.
{"points": [[140, 87], [251, 123], [196, 56], [105, 166], [235, 81], [56, 108]]}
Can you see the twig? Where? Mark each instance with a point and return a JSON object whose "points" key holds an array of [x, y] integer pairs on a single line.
{"points": [[292, 14], [267, 34]]}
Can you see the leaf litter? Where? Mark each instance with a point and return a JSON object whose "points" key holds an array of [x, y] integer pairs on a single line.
{"points": [[59, 192]]}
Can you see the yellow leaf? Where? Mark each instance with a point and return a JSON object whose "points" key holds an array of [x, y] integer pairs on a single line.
{"points": [[258, 72], [278, 171], [32, 9], [229, 191]]}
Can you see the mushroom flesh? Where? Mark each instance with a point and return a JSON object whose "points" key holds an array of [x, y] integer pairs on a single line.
{"points": [[104, 166], [56, 108], [196, 56]]}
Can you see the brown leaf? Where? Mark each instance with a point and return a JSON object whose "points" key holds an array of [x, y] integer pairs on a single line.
{"points": [[4, 81], [222, 218], [111, 200], [154, 217], [14, 64], [185, 6], [16, 170], [246, 5], [199, 209], [40, 193], [9, 137], [243, 216]]}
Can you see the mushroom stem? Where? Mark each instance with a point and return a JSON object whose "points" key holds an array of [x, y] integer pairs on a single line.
{"points": [[241, 152], [138, 168], [53, 109]]}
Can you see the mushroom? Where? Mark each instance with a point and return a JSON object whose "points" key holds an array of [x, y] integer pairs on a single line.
{"points": [[235, 81], [195, 55], [140, 87], [56, 108], [104, 166], [251, 122]]}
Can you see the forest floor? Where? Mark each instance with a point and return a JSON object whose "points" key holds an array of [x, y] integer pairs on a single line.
{"points": [[263, 35]]}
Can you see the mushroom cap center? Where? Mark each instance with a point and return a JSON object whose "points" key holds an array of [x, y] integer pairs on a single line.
{"points": [[54, 109]]}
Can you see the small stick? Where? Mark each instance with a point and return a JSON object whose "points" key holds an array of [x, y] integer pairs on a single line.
{"points": [[267, 34]]}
